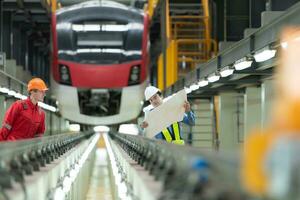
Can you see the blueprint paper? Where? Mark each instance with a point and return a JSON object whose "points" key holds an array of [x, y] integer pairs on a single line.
{"points": [[166, 114]]}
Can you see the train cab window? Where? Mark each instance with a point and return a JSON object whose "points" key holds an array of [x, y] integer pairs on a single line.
{"points": [[100, 39], [102, 42]]}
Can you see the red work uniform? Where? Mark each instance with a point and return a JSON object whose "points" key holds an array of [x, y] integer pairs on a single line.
{"points": [[23, 120]]}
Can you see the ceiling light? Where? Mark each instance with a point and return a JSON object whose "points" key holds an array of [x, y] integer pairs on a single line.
{"points": [[23, 97], [4, 90], [11, 93], [203, 83], [264, 54], [47, 107], [226, 71], [194, 87], [188, 90], [213, 78], [243, 64], [18, 95]]}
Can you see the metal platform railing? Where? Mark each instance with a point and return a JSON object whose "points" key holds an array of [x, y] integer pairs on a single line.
{"points": [[167, 171], [176, 172], [46, 168]]}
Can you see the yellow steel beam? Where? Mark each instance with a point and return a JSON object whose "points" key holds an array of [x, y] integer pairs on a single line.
{"points": [[151, 7], [53, 6], [207, 22], [172, 64], [171, 67], [168, 24]]}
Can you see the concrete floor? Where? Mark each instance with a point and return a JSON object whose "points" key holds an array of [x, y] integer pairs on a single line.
{"points": [[100, 183]]}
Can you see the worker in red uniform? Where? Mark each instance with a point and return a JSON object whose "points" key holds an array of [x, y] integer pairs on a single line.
{"points": [[25, 119]]}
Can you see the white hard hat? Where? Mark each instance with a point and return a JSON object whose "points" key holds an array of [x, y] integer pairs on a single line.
{"points": [[150, 91]]}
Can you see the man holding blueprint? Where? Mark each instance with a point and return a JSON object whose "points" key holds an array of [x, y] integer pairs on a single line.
{"points": [[164, 119]]}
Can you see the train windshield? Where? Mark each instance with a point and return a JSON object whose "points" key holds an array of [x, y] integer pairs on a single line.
{"points": [[99, 42]]}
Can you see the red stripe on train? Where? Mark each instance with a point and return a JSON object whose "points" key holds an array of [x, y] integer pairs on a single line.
{"points": [[99, 76]]}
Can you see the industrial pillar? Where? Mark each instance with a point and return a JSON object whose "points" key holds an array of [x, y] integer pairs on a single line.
{"points": [[229, 139], [252, 109], [2, 108], [7, 34], [267, 98]]}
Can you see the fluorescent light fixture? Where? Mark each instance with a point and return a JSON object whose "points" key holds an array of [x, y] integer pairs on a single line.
{"points": [[243, 64], [194, 87], [51, 108], [11, 93], [226, 71], [102, 129], [203, 83], [18, 95], [74, 127], [47, 107], [131, 129], [213, 78], [188, 90], [23, 97], [4, 90], [264, 54]]}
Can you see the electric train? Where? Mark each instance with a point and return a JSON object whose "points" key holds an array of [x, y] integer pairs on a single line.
{"points": [[99, 68]]}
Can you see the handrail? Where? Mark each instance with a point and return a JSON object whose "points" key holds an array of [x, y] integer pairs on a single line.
{"points": [[12, 78], [207, 20], [175, 166], [209, 46], [8, 150], [53, 159]]}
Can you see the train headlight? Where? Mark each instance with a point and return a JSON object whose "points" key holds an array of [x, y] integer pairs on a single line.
{"points": [[65, 77], [134, 77]]}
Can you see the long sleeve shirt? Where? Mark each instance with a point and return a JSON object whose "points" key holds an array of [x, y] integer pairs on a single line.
{"points": [[188, 118], [23, 120]]}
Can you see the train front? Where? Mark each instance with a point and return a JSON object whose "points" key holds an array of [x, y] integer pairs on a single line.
{"points": [[99, 62]]}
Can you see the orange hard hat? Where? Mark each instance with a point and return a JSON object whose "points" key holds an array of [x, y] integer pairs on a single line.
{"points": [[36, 83]]}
